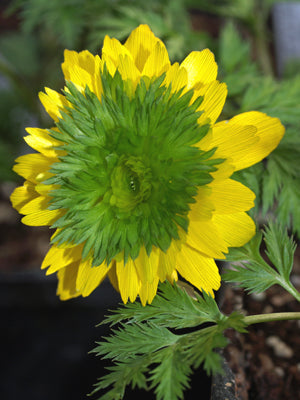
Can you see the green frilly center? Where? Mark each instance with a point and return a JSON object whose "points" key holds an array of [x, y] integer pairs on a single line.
{"points": [[130, 183], [131, 167]]}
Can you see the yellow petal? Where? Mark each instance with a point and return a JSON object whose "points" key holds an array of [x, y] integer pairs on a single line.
{"points": [[80, 77], [167, 263], [53, 103], [23, 195], [212, 105], [177, 77], [89, 278], [112, 275], [67, 282], [224, 170], [146, 266], [80, 68], [230, 196], [204, 237], [128, 70], [128, 280], [236, 229], [269, 130], [158, 61], [203, 208], [148, 290], [32, 166], [37, 214], [140, 44], [113, 49], [58, 258], [199, 270], [201, 67], [40, 140], [45, 190]]}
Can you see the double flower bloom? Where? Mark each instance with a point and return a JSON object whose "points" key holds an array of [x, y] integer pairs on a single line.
{"points": [[135, 175]]}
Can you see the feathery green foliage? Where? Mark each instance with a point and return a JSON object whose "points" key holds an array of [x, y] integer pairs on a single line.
{"points": [[165, 359], [249, 269]]}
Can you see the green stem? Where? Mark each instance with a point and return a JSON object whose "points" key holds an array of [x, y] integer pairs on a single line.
{"points": [[256, 319], [289, 288]]}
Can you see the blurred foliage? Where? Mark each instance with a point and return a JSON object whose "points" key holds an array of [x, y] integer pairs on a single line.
{"points": [[30, 59], [276, 181], [83, 24]]}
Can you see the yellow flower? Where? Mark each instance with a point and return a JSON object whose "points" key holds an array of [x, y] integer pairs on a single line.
{"points": [[135, 176]]}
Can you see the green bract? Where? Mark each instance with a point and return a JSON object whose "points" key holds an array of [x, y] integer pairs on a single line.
{"points": [[131, 169]]}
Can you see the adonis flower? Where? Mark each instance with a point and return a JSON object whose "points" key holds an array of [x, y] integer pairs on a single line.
{"points": [[135, 175]]}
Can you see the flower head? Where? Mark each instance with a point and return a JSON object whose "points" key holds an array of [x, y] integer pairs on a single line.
{"points": [[135, 175]]}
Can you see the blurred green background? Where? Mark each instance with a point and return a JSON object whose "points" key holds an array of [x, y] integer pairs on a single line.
{"points": [[34, 34]]}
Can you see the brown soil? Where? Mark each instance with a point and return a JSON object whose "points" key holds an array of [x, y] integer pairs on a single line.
{"points": [[266, 361]]}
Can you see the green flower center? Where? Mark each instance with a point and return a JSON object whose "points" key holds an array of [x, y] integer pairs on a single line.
{"points": [[131, 167], [131, 183]]}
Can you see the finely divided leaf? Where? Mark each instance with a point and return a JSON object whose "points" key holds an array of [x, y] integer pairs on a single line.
{"points": [[172, 308], [147, 354], [280, 249], [252, 272]]}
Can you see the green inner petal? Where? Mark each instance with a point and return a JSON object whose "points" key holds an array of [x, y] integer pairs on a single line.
{"points": [[131, 169]]}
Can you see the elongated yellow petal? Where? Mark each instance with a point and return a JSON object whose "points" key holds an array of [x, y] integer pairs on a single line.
{"points": [[128, 280], [224, 170], [204, 237], [77, 75], [40, 140], [141, 43], [67, 282], [58, 258], [83, 69], [31, 166], [199, 270], [45, 190], [128, 70], [212, 105], [88, 277], [23, 195], [112, 275], [146, 267], [53, 103], [201, 68], [230, 196], [83, 59], [166, 263], [203, 208], [37, 213], [148, 290], [113, 49], [177, 77], [236, 229], [269, 130], [158, 61]]}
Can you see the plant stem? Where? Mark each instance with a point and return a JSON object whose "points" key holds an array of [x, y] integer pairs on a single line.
{"points": [[256, 319], [290, 288]]}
